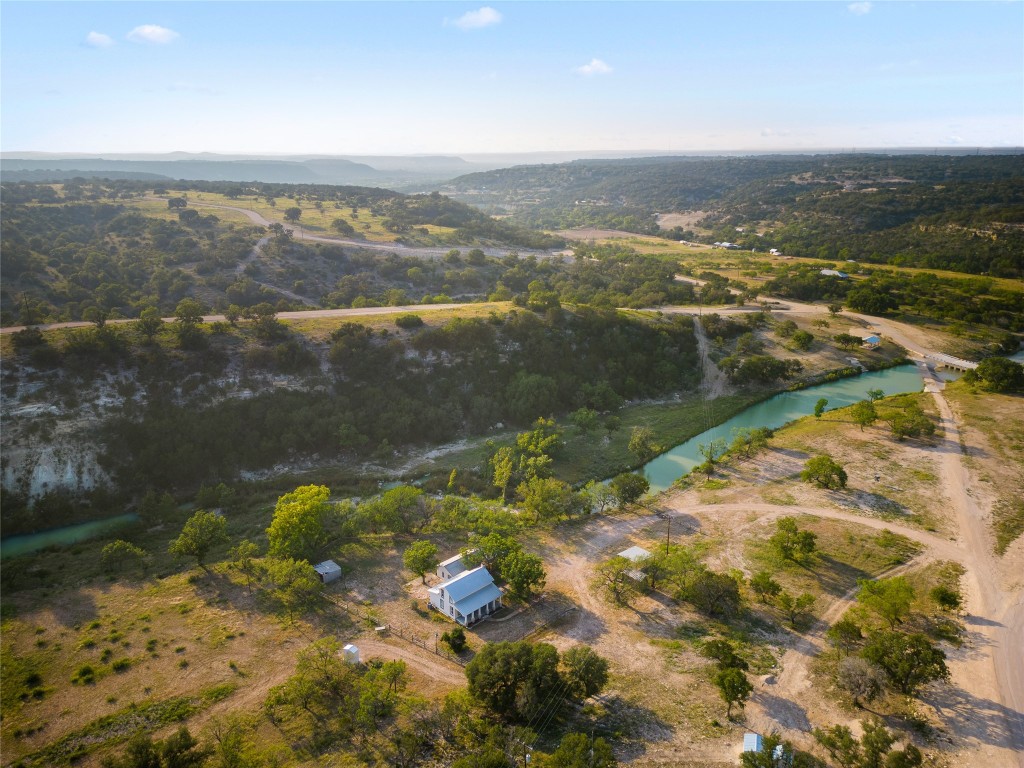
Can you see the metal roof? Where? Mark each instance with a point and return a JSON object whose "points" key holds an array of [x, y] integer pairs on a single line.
{"points": [[470, 590], [327, 566], [634, 554]]}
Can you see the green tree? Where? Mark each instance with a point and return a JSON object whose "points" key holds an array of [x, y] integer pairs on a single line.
{"points": [[802, 340], [847, 340], [863, 413], [523, 573], [785, 329], [243, 557], [909, 661], [820, 406], [715, 594], [189, 312], [420, 557], [873, 750], [1000, 374], [292, 214], [597, 496], [577, 750], [629, 487], [947, 599], [343, 227], [120, 554], [875, 394], [790, 542], [585, 672], [294, 585], [911, 422], [503, 465], [765, 587], [514, 679], [613, 574], [180, 750], [845, 635], [548, 498], [149, 323], [825, 471], [201, 533], [734, 687], [642, 445], [724, 653], [297, 527], [584, 419], [889, 598], [835, 309], [795, 608]]}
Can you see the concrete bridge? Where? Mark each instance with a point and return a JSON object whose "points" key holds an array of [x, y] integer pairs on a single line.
{"points": [[949, 361]]}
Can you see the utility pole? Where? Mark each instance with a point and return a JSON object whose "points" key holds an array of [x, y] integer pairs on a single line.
{"points": [[668, 534]]}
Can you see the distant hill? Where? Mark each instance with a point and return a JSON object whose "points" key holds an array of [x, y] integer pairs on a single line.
{"points": [[937, 211], [371, 171]]}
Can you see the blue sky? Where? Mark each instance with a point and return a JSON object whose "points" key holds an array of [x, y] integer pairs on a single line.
{"points": [[396, 78]]}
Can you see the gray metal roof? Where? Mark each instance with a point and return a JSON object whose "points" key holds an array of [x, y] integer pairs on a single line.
{"points": [[471, 590], [327, 566]]}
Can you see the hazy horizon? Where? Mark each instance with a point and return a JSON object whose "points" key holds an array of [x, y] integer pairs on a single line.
{"points": [[458, 79]]}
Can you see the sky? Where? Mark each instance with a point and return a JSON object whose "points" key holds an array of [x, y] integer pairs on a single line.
{"points": [[459, 78]]}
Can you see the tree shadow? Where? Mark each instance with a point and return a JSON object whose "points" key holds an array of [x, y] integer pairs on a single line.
{"points": [[629, 727], [973, 717], [836, 577], [786, 713]]}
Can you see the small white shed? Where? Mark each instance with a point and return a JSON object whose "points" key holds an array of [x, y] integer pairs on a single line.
{"points": [[328, 571], [752, 742], [350, 654]]}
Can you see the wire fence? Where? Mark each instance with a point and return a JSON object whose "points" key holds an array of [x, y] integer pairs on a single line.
{"points": [[359, 612]]}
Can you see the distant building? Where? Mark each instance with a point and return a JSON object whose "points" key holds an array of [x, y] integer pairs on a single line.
{"points": [[328, 571], [774, 252], [730, 246], [834, 273], [467, 598], [872, 341]]}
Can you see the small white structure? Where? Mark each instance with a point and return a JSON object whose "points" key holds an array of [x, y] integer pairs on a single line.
{"points": [[872, 341], [774, 252], [452, 567], [834, 273], [328, 571], [635, 555], [467, 598], [752, 742], [350, 654]]}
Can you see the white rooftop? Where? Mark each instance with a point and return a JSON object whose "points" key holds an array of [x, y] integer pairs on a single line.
{"points": [[327, 566], [635, 554]]}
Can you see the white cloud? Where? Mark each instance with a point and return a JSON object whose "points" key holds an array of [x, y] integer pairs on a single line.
{"points": [[595, 67], [99, 40], [152, 33], [485, 17], [859, 9]]}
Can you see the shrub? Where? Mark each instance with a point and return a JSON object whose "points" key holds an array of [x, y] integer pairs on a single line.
{"points": [[456, 639], [409, 321]]}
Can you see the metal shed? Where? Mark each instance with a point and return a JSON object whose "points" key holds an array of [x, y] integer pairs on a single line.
{"points": [[328, 571]]}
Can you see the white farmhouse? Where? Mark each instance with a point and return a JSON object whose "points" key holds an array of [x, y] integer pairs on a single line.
{"points": [[468, 597]]}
